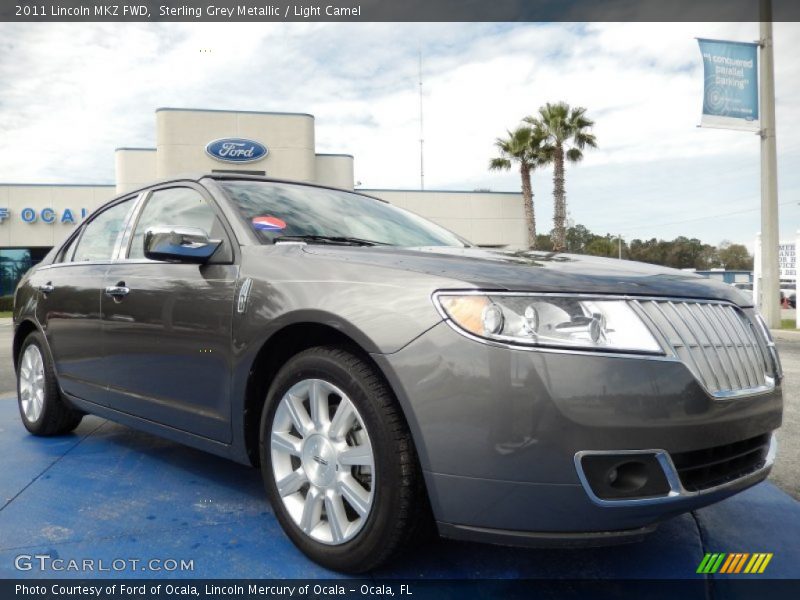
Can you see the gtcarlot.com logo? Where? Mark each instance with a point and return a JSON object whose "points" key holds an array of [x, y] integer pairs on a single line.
{"points": [[46, 562], [732, 563]]}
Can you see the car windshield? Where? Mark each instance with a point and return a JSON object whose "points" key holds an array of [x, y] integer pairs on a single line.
{"points": [[318, 215]]}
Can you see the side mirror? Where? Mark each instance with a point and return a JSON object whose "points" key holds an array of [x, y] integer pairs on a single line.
{"points": [[179, 244]]}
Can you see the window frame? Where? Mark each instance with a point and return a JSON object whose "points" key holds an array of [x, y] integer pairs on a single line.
{"points": [[133, 221], [73, 241], [68, 246]]}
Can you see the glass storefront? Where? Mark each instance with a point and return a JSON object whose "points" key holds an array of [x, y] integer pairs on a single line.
{"points": [[14, 262]]}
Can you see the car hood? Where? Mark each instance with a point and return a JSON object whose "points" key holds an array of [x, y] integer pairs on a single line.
{"points": [[536, 271]]}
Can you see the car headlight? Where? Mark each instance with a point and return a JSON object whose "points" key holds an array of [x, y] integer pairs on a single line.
{"points": [[549, 321]]}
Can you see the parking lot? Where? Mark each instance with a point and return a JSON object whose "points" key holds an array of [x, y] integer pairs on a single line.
{"points": [[109, 492]]}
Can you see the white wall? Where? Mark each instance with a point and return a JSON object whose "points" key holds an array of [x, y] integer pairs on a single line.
{"points": [[335, 170], [14, 232], [484, 218], [135, 167], [182, 136]]}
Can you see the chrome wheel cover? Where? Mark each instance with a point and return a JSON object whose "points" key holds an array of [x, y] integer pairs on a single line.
{"points": [[31, 383], [322, 461]]}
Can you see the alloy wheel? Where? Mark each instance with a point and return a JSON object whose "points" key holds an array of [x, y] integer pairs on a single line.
{"points": [[31, 383], [322, 461]]}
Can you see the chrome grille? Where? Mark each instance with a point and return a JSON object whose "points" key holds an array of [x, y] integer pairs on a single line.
{"points": [[716, 341]]}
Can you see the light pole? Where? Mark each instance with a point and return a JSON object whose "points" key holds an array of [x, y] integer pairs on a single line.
{"points": [[770, 234], [421, 129]]}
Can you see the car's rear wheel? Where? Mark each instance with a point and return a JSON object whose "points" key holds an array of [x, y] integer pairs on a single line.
{"points": [[41, 407], [338, 462]]}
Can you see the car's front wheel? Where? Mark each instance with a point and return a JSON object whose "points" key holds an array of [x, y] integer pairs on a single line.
{"points": [[41, 406], [338, 462]]}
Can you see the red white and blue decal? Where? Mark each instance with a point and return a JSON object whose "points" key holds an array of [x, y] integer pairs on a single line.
{"points": [[269, 224]]}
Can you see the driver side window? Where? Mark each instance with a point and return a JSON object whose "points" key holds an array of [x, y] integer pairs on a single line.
{"points": [[176, 207]]}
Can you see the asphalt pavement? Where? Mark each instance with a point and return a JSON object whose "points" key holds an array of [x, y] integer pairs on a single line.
{"points": [[113, 495], [8, 382], [786, 473]]}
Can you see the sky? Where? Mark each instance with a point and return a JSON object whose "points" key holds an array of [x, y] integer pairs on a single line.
{"points": [[71, 93]]}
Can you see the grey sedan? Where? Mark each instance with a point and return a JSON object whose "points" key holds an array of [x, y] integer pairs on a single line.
{"points": [[388, 376]]}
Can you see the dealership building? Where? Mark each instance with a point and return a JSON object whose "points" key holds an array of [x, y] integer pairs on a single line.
{"points": [[35, 217]]}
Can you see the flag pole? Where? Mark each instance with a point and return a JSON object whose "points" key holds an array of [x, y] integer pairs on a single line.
{"points": [[770, 234]]}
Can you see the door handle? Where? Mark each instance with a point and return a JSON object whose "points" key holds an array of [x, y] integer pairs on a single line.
{"points": [[117, 291], [47, 288]]}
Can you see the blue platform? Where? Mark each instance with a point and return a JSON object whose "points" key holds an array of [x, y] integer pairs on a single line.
{"points": [[108, 492]]}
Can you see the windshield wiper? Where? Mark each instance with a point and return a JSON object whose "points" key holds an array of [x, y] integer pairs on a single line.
{"points": [[329, 239]]}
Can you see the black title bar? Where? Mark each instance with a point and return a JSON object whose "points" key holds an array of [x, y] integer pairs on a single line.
{"points": [[362, 589], [396, 10]]}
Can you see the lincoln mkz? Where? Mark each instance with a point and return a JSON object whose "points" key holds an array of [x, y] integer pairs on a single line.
{"points": [[385, 374]]}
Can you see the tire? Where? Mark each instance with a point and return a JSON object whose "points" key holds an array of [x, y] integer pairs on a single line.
{"points": [[41, 406], [371, 528]]}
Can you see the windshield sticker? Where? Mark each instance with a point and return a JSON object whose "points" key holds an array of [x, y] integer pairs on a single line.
{"points": [[268, 224]]}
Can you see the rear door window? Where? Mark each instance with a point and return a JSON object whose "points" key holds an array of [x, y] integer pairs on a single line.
{"points": [[100, 235]]}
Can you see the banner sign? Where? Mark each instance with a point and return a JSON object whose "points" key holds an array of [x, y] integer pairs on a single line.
{"points": [[730, 95], [787, 261]]}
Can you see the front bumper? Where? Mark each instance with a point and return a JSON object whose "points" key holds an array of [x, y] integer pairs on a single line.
{"points": [[498, 431]]}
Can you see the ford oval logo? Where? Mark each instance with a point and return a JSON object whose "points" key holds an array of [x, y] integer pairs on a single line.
{"points": [[236, 150]]}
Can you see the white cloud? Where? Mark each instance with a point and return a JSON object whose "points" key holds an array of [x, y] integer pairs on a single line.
{"points": [[74, 92]]}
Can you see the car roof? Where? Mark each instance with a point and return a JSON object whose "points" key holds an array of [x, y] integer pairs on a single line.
{"points": [[197, 177]]}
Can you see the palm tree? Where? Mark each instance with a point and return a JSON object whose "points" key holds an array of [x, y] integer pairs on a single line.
{"points": [[522, 146], [566, 134]]}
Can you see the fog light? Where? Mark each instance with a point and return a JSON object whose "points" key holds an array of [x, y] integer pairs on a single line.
{"points": [[611, 477], [628, 476], [623, 475]]}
